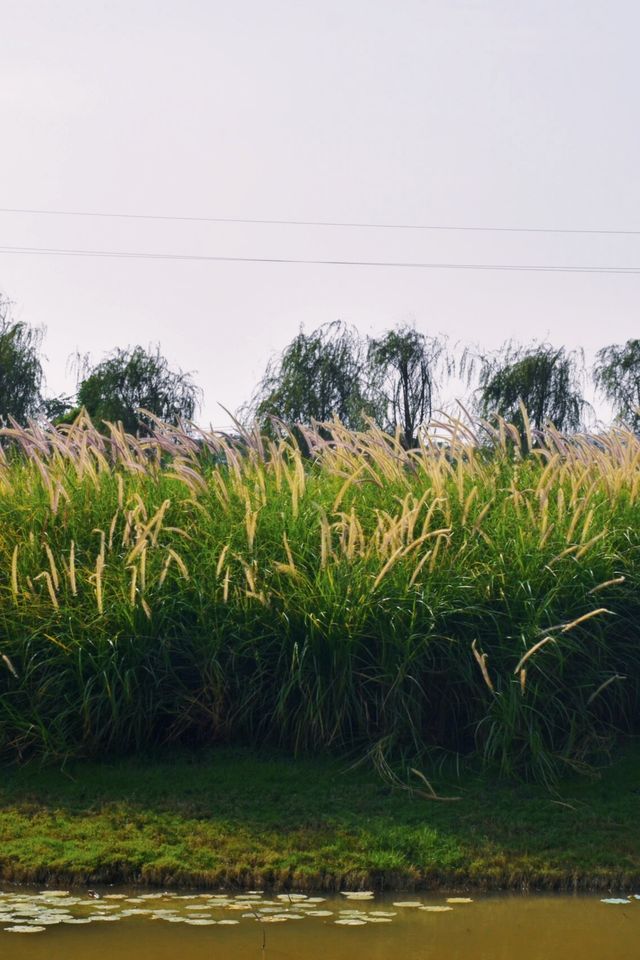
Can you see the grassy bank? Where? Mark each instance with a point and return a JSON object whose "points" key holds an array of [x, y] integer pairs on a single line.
{"points": [[238, 819], [460, 597]]}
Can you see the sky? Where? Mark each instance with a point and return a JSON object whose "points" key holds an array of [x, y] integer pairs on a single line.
{"points": [[464, 113]]}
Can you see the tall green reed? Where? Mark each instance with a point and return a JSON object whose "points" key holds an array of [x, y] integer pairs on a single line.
{"points": [[183, 588]]}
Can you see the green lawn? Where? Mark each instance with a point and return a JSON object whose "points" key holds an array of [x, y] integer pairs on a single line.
{"points": [[230, 817]]}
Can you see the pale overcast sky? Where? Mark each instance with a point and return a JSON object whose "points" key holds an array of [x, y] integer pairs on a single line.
{"points": [[517, 113]]}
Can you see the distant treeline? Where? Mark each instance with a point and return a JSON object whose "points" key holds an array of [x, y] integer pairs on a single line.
{"points": [[393, 381]]}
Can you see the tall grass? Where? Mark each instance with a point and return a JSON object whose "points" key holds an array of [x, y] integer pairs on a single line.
{"points": [[459, 596]]}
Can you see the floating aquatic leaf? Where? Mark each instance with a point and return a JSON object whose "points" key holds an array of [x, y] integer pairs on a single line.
{"points": [[378, 919], [316, 899], [358, 894], [436, 908], [459, 900], [383, 913], [351, 922], [228, 922], [201, 922], [407, 903], [319, 913], [615, 900], [25, 929], [78, 920]]}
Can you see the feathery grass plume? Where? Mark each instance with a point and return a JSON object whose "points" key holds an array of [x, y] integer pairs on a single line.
{"points": [[72, 569], [10, 667], [530, 652], [46, 576], [98, 580], [603, 686], [481, 660], [52, 566], [607, 583], [14, 574], [585, 616]]}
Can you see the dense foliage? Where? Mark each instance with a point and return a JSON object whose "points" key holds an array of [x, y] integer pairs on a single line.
{"points": [[318, 376], [20, 367], [541, 379], [617, 374], [457, 597], [133, 380], [405, 367]]}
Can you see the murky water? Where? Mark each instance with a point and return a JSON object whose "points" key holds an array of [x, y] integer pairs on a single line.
{"points": [[48, 925]]}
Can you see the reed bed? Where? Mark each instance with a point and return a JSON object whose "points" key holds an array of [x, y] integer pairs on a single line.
{"points": [[458, 598]]}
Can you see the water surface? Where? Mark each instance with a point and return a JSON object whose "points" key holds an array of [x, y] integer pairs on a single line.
{"points": [[265, 927]]}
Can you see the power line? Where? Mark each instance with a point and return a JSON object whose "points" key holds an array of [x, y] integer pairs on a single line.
{"points": [[417, 265], [320, 223]]}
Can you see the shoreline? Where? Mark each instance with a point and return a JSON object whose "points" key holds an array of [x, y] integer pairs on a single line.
{"points": [[237, 820]]}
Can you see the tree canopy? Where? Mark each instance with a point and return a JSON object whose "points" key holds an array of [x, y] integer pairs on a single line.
{"points": [[132, 379], [542, 378], [21, 373], [404, 366], [616, 373], [318, 376]]}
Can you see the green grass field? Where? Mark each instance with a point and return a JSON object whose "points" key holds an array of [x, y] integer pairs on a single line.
{"points": [[247, 819]]}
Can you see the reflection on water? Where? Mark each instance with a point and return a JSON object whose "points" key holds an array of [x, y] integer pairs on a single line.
{"points": [[72, 925]]}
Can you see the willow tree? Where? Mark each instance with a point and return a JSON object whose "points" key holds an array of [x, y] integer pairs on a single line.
{"points": [[616, 373], [21, 373], [404, 367], [317, 376], [546, 380], [131, 379]]}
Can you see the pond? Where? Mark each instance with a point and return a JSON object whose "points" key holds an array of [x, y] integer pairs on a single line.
{"points": [[51, 924]]}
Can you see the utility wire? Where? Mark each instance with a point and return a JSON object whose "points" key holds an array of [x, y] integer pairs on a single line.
{"points": [[417, 265], [319, 223]]}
